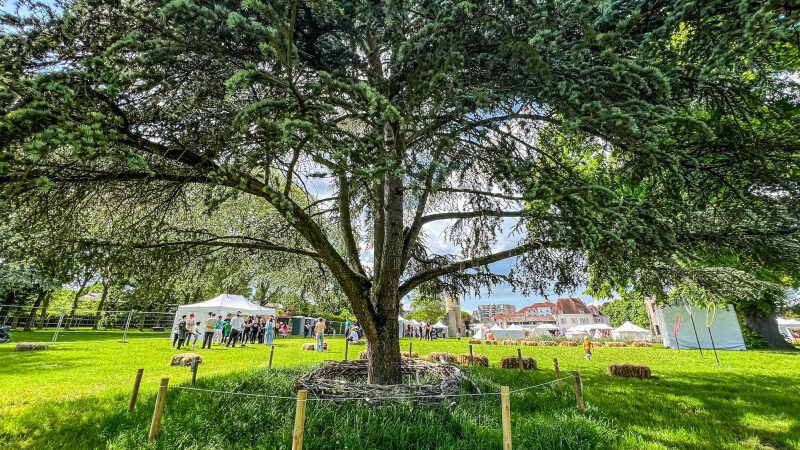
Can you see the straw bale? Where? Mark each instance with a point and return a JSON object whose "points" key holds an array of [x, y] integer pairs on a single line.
{"points": [[629, 371], [309, 346], [441, 357], [530, 343], [31, 346], [510, 342], [568, 344], [511, 362], [184, 359], [475, 341], [478, 360], [616, 344]]}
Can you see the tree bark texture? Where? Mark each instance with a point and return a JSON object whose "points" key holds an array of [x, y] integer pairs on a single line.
{"points": [[32, 315], [100, 306]]}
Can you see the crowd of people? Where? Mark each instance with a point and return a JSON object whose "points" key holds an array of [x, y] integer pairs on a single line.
{"points": [[230, 330], [235, 329], [423, 332]]}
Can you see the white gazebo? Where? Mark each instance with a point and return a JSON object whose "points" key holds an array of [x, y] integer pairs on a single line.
{"points": [[543, 329], [788, 328], [222, 305], [630, 331], [478, 331], [512, 332], [402, 323], [439, 326]]}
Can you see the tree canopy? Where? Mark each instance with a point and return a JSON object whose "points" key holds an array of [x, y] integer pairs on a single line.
{"points": [[609, 141]]}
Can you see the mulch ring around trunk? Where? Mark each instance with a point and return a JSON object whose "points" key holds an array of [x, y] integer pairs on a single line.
{"points": [[343, 380]]}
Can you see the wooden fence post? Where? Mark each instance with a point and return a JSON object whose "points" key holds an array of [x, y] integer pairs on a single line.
{"points": [[558, 372], [578, 389], [470, 355], [155, 425], [519, 358], [410, 345], [271, 352], [346, 348], [505, 404], [135, 393], [299, 419], [195, 363]]}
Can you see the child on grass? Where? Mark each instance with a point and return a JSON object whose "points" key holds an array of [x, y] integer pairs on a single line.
{"points": [[587, 347]]}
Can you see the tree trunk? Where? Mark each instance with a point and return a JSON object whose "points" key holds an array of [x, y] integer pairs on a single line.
{"points": [[100, 306], [75, 302], [43, 315], [383, 354], [32, 315], [767, 327]]}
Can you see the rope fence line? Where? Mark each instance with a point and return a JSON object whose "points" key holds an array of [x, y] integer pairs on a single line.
{"points": [[399, 397]]}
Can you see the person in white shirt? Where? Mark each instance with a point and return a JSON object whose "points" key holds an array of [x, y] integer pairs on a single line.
{"points": [[190, 327], [211, 323], [237, 325]]}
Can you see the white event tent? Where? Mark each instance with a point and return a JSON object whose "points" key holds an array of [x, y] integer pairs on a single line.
{"points": [[402, 324], [788, 327], [512, 332], [630, 331], [440, 326], [478, 331], [543, 329], [222, 305], [727, 334]]}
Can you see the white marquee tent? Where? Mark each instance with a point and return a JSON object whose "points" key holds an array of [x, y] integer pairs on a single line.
{"points": [[403, 323], [630, 331], [512, 332], [222, 304], [726, 331], [478, 331], [543, 329], [788, 327], [440, 326]]}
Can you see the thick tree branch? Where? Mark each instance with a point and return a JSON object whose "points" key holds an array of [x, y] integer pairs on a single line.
{"points": [[423, 277], [223, 241], [345, 221], [470, 215]]}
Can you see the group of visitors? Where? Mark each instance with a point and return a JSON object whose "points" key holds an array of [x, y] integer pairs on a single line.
{"points": [[424, 332], [229, 330]]}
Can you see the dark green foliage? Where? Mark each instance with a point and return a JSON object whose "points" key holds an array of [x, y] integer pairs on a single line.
{"points": [[629, 307]]}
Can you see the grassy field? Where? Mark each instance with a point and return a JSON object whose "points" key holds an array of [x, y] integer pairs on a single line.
{"points": [[75, 396]]}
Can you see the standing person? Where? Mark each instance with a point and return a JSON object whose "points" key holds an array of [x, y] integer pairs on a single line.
{"points": [[347, 327], [262, 328], [218, 330], [255, 330], [270, 331], [211, 324], [587, 347], [175, 332], [245, 330], [191, 326], [284, 330], [305, 329], [182, 330], [226, 329], [236, 325], [320, 331]]}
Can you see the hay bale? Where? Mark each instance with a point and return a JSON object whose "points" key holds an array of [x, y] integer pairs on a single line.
{"points": [[511, 362], [616, 344], [309, 346], [475, 341], [641, 344], [185, 359], [548, 343], [568, 344], [478, 360], [31, 346], [510, 342], [629, 371], [441, 357], [413, 354], [359, 342], [530, 343], [488, 342], [362, 354], [597, 344]]}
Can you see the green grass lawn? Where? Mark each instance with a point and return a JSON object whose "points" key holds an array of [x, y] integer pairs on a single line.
{"points": [[75, 396]]}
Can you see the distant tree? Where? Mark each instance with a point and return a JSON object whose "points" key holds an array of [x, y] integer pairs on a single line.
{"points": [[628, 307], [426, 308]]}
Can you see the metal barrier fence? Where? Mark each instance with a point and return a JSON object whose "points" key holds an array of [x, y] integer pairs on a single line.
{"points": [[62, 322]]}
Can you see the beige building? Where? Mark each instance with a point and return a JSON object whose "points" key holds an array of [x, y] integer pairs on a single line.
{"points": [[571, 311]]}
